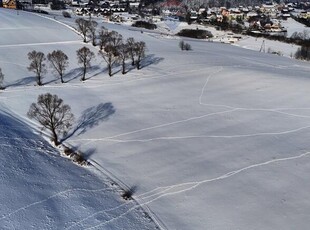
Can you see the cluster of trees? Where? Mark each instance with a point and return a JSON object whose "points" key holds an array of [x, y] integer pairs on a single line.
{"points": [[184, 46], [112, 47]]}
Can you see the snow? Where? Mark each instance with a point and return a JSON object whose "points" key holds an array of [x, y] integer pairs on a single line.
{"points": [[293, 26], [213, 138]]}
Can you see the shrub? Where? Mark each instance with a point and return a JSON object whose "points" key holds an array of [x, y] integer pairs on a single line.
{"points": [[144, 24], [68, 151], [128, 193], [66, 14], [200, 34], [303, 53], [188, 46], [184, 46]]}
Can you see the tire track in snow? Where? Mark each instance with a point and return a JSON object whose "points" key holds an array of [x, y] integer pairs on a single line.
{"points": [[209, 136], [192, 185], [150, 128]]}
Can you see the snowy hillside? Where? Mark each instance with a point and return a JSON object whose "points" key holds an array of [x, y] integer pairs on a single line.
{"points": [[40, 189], [213, 138]]}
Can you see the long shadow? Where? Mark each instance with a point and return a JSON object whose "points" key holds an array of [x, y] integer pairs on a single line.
{"points": [[88, 153], [92, 117], [150, 60], [23, 81], [96, 74], [73, 74]]}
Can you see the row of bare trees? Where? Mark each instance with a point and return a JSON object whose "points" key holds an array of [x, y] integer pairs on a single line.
{"points": [[113, 48], [116, 51], [58, 61]]}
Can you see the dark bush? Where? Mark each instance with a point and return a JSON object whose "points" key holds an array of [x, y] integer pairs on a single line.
{"points": [[144, 24], [187, 46], [303, 53], [68, 151], [128, 193], [200, 34], [66, 14]]}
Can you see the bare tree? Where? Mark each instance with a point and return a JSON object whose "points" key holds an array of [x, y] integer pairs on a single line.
{"points": [[59, 61], [83, 27], [110, 55], [140, 48], [103, 37], [131, 49], [123, 55], [84, 56], [1, 79], [115, 39], [182, 45], [52, 114], [37, 64], [110, 51], [92, 30]]}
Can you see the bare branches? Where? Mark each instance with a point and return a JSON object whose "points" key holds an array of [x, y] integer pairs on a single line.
{"points": [[59, 61], [52, 114], [37, 64], [84, 56], [123, 54], [92, 30], [83, 27], [103, 37], [110, 55], [87, 27], [110, 52], [131, 49], [140, 48]]}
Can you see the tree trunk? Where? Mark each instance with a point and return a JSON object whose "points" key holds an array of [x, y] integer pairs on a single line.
{"points": [[84, 73], [39, 80], [138, 64], [61, 79], [55, 137], [110, 70], [124, 68]]}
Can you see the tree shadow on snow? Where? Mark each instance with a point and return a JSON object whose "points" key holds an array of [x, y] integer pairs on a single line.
{"points": [[150, 60], [91, 71], [98, 73], [73, 74], [92, 117], [23, 81], [78, 72]]}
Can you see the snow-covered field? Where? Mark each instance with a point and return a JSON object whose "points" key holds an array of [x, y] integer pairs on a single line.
{"points": [[214, 138]]}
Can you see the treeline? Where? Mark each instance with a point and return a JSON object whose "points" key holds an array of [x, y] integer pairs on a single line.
{"points": [[113, 49]]}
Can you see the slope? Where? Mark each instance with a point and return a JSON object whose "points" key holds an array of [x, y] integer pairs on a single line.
{"points": [[214, 138]]}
